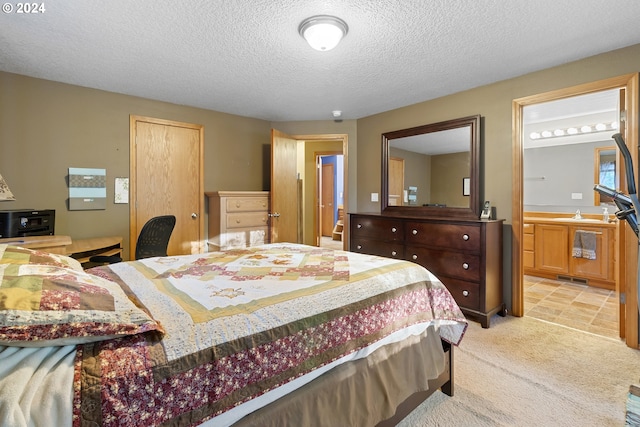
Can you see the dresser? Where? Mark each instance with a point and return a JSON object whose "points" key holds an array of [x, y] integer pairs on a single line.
{"points": [[466, 255], [237, 219]]}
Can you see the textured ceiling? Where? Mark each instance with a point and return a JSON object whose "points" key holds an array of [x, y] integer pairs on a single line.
{"points": [[246, 57]]}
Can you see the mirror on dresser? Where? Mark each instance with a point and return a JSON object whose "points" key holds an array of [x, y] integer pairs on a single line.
{"points": [[433, 170]]}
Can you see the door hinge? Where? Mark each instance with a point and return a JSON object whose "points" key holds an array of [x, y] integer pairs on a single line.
{"points": [[623, 298], [623, 115]]}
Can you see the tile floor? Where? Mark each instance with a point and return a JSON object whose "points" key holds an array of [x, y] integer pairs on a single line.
{"points": [[575, 305]]}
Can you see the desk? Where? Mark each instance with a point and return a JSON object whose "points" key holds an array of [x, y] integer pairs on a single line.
{"points": [[83, 249], [80, 249], [52, 244]]}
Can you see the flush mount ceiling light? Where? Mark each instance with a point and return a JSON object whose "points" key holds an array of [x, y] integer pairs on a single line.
{"points": [[323, 32]]}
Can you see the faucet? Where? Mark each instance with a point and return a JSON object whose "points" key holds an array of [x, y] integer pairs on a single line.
{"points": [[577, 215]]}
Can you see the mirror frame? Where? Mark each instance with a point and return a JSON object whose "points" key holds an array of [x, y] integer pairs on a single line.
{"points": [[473, 211]]}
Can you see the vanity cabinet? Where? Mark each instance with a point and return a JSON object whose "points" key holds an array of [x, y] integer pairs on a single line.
{"points": [[466, 255], [552, 248], [552, 251], [238, 219]]}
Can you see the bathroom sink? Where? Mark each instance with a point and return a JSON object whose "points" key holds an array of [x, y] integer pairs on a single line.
{"points": [[578, 220]]}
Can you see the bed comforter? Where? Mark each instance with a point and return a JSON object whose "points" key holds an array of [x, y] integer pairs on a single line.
{"points": [[239, 325]]}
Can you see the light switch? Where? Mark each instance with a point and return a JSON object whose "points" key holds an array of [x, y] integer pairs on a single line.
{"points": [[576, 196], [374, 197]]}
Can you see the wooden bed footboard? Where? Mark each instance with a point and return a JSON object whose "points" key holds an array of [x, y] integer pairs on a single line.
{"points": [[444, 383]]}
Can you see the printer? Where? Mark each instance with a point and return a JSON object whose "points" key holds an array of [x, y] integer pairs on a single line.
{"points": [[27, 222]]}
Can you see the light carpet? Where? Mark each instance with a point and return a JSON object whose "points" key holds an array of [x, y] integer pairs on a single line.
{"points": [[526, 372]]}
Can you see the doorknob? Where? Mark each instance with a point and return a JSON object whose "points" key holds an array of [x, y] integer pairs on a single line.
{"points": [[194, 215]]}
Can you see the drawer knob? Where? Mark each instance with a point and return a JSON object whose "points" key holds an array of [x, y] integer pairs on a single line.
{"points": [[237, 204], [237, 221], [359, 247], [394, 253], [359, 225], [393, 229], [465, 293], [414, 256], [414, 231], [465, 237], [465, 265]]}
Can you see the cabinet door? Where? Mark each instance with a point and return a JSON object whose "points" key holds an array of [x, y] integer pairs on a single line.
{"points": [[552, 248], [600, 268], [528, 246]]}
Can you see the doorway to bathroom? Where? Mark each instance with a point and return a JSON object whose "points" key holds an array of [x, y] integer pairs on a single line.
{"points": [[564, 142], [626, 244]]}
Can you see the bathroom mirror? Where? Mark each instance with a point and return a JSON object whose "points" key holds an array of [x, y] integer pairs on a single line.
{"points": [[433, 170]]}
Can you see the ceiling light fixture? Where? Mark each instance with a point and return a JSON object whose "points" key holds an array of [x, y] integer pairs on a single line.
{"points": [[600, 127], [323, 32], [336, 113]]}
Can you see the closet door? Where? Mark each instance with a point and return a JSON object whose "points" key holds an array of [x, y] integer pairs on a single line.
{"points": [[166, 178]]}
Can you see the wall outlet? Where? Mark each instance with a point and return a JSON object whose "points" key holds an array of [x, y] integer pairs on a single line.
{"points": [[576, 196], [374, 197]]}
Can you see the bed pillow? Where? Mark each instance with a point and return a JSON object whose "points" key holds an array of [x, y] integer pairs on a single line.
{"points": [[49, 305], [18, 255]]}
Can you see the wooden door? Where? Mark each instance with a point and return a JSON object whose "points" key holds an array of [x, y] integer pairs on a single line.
{"points": [[327, 208], [166, 178], [284, 188]]}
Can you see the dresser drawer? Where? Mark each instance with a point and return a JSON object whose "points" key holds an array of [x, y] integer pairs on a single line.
{"points": [[451, 236], [378, 228], [466, 294], [247, 204], [460, 265], [377, 247], [249, 219]]}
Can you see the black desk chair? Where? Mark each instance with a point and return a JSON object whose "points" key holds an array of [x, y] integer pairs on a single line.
{"points": [[153, 240]]}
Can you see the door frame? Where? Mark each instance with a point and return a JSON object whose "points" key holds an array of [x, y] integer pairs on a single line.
{"points": [[317, 220], [628, 252], [345, 178]]}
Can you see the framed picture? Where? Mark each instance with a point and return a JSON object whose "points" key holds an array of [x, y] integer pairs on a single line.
{"points": [[466, 186]]}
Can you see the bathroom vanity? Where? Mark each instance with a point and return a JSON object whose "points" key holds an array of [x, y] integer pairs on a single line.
{"points": [[548, 243]]}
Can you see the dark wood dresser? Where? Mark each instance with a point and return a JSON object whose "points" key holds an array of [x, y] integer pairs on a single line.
{"points": [[466, 255]]}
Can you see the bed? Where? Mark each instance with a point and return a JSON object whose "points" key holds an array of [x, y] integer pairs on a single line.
{"points": [[279, 334]]}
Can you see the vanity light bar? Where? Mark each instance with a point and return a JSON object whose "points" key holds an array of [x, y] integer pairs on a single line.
{"points": [[600, 127]]}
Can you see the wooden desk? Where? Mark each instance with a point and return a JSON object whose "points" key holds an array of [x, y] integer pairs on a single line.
{"points": [[80, 249], [83, 249], [52, 244]]}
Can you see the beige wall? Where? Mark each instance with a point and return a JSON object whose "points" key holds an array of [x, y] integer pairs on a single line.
{"points": [[47, 127], [494, 103]]}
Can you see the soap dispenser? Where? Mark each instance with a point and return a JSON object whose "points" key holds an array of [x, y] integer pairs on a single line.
{"points": [[605, 214]]}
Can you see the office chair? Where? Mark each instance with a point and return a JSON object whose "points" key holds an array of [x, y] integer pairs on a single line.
{"points": [[154, 237], [153, 240]]}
